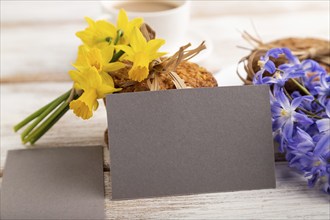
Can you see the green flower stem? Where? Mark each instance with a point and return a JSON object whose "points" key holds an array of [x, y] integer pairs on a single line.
{"points": [[40, 131], [305, 91], [32, 116], [301, 87], [317, 113], [44, 113], [117, 56], [287, 93], [310, 114], [119, 35], [48, 122]]}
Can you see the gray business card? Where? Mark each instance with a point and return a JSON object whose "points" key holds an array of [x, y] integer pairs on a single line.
{"points": [[54, 183], [178, 142]]}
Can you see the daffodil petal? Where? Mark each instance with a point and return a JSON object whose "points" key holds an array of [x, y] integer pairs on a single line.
{"points": [[82, 58], [154, 45], [156, 55], [107, 54], [84, 37], [90, 21], [105, 89], [122, 20], [97, 33], [95, 58], [84, 105], [78, 79], [138, 42], [93, 77], [96, 105], [87, 77], [138, 73], [136, 22], [127, 49], [107, 79], [107, 27], [110, 67]]}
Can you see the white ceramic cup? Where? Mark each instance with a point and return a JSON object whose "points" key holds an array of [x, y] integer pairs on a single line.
{"points": [[170, 19]]}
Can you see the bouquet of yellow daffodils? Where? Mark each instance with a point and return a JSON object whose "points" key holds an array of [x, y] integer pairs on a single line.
{"points": [[105, 48]]}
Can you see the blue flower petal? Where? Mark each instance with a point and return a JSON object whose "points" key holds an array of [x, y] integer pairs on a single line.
{"points": [[275, 52], [257, 79], [297, 101], [283, 100], [323, 124], [323, 145], [278, 123], [290, 56], [270, 67], [302, 119], [312, 66], [288, 129]]}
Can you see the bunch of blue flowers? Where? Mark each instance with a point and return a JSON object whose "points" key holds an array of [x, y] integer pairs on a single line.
{"points": [[301, 119]]}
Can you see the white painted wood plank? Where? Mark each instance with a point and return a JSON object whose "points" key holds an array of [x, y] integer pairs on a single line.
{"points": [[32, 53], [38, 43], [210, 8], [25, 12], [20, 100], [45, 52], [31, 12], [225, 36], [290, 200]]}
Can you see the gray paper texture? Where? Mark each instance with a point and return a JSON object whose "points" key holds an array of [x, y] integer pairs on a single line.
{"points": [[190, 141], [55, 183]]}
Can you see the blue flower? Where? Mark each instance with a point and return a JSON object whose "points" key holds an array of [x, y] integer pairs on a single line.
{"points": [[285, 116], [311, 157], [278, 78], [265, 65], [283, 73], [321, 164], [301, 123], [299, 151], [324, 124], [280, 139], [309, 105], [288, 54], [276, 52], [323, 89], [312, 66]]}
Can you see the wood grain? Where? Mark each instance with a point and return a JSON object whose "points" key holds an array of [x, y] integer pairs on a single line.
{"points": [[38, 43], [50, 46], [20, 100], [291, 199]]}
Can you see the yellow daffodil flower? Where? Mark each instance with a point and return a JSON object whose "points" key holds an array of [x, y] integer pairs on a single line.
{"points": [[141, 53], [98, 58], [127, 26], [94, 87], [98, 34]]}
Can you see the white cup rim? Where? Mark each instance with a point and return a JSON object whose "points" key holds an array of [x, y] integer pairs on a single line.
{"points": [[108, 8]]}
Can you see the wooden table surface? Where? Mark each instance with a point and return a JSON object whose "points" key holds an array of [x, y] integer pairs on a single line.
{"points": [[38, 45]]}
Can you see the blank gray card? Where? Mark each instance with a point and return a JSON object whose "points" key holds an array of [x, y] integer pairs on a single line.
{"points": [[190, 141], [54, 183]]}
